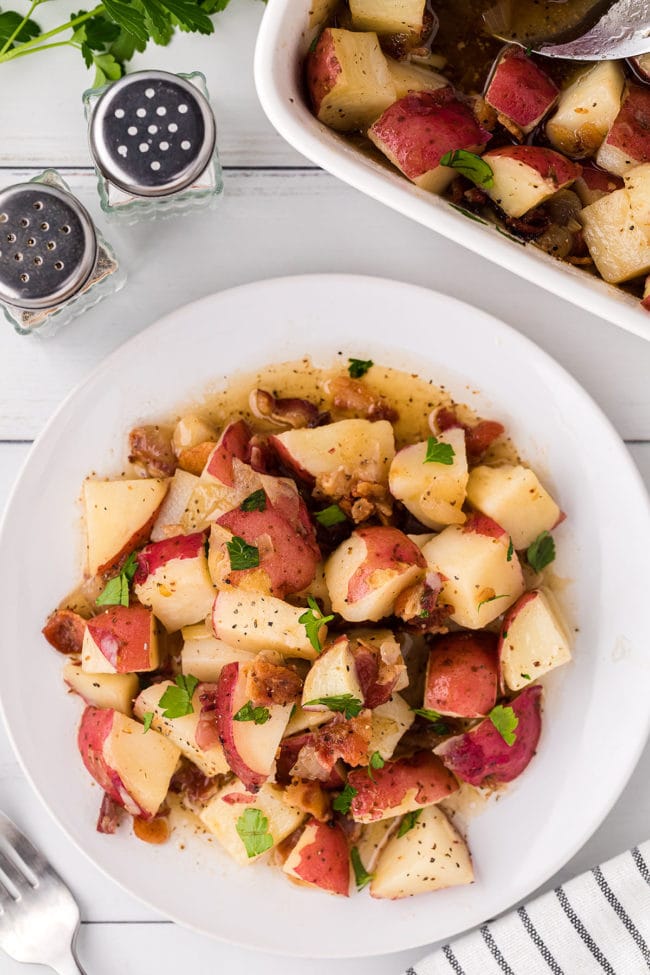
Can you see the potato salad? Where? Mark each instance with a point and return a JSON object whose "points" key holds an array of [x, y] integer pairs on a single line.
{"points": [[313, 619]]}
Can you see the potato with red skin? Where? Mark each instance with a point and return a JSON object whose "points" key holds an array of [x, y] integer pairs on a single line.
{"points": [[462, 674], [594, 183], [627, 143], [525, 176], [520, 91], [586, 109], [478, 436], [119, 516], [379, 665], [172, 578], [321, 858], [418, 130], [232, 443], [533, 641], [369, 570], [360, 448], [482, 752], [122, 640], [399, 787], [133, 769]]}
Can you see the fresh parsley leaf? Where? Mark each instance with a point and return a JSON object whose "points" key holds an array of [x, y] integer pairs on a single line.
{"points": [[343, 802], [147, 718], [361, 876], [242, 555], [177, 699], [490, 599], [542, 552], [189, 15], [376, 761], [440, 727], [106, 69], [510, 552], [333, 515], [505, 721], [260, 715], [359, 367], [408, 822], [127, 16], [253, 829], [255, 501], [349, 705], [439, 453], [312, 619], [116, 590], [12, 24], [470, 165], [526, 676]]}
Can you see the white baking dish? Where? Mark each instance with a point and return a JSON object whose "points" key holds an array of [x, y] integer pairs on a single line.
{"points": [[287, 30]]}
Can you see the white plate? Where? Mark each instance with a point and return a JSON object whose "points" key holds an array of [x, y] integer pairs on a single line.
{"points": [[286, 32], [597, 709]]}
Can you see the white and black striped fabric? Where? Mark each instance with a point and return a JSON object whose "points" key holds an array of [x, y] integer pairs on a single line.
{"points": [[597, 923]]}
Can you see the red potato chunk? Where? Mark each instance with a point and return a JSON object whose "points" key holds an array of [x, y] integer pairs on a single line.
{"points": [[586, 110], [348, 79], [462, 675], [616, 228], [389, 16], [478, 437], [400, 787], [321, 858], [533, 641], [233, 443], [321, 762], [119, 516], [628, 141], [172, 578], [520, 91], [379, 665], [123, 640], [417, 131], [482, 753], [525, 176], [594, 183]]}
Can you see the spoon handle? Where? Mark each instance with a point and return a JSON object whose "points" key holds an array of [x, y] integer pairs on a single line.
{"points": [[623, 32]]}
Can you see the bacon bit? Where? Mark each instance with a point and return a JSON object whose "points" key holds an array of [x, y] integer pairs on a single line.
{"points": [[532, 225], [65, 630], [351, 829], [262, 457], [207, 731], [110, 814], [359, 498], [285, 846], [457, 190], [477, 438], [290, 411], [418, 607], [152, 447], [268, 683], [194, 459], [190, 782], [485, 115], [310, 798], [154, 831], [378, 669], [339, 739], [235, 797], [354, 395], [475, 196], [510, 127]]}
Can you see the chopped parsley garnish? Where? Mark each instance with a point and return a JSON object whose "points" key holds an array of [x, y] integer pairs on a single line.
{"points": [[116, 590], [510, 552], [333, 515], [359, 367], [343, 802], [505, 721], [542, 552], [470, 165], [409, 821], [376, 761], [312, 620], [147, 717], [255, 501], [253, 829], [242, 555], [440, 727], [177, 699], [361, 876], [526, 676], [349, 705], [439, 453], [490, 599], [260, 715]]}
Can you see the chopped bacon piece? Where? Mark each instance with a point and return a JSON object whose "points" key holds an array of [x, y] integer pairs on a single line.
{"points": [[64, 630], [310, 798], [190, 782], [233, 798], [477, 438], [207, 730], [194, 459], [289, 411], [268, 683], [152, 446], [110, 814], [339, 739], [378, 669], [418, 607], [351, 394]]}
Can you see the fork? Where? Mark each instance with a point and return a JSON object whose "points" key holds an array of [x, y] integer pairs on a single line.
{"points": [[39, 919]]}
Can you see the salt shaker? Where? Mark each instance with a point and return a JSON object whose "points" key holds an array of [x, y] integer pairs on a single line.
{"points": [[54, 263], [153, 139]]}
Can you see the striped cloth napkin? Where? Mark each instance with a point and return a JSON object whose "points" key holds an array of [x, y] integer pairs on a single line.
{"points": [[598, 922]]}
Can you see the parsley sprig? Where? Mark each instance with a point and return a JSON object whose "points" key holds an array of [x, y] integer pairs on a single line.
{"points": [[440, 727], [242, 555], [505, 721], [116, 590], [439, 452], [177, 699], [260, 715], [542, 552], [343, 802], [332, 515], [253, 830], [470, 165], [348, 704], [312, 620], [359, 367], [408, 822], [255, 501], [361, 876]]}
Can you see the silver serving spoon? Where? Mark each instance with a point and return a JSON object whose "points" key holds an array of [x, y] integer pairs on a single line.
{"points": [[621, 31]]}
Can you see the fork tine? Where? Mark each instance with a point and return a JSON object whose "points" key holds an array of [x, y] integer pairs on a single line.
{"points": [[33, 860], [14, 875]]}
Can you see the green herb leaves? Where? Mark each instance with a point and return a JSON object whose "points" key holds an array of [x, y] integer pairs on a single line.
{"points": [[116, 591], [343, 802], [490, 599], [177, 699], [15, 29], [439, 726], [375, 762], [439, 453], [349, 705], [242, 555], [333, 515], [505, 721], [510, 552], [312, 619], [260, 715], [542, 552], [409, 821], [361, 876], [470, 165], [255, 501], [253, 829], [359, 367], [147, 718]]}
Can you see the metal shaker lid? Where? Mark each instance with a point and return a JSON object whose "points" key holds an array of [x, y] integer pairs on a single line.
{"points": [[152, 133], [48, 245]]}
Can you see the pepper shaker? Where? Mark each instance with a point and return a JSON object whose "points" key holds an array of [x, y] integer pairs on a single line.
{"points": [[54, 264], [153, 139]]}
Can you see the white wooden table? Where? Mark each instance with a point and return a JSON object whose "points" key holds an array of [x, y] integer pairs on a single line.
{"points": [[278, 216]]}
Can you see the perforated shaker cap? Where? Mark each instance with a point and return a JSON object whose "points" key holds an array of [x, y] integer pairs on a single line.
{"points": [[48, 245], [152, 133]]}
